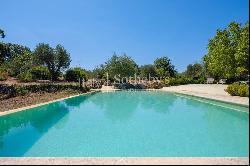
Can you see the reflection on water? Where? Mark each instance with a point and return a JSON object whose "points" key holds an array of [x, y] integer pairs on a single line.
{"points": [[75, 102], [39, 119], [121, 106], [114, 106]]}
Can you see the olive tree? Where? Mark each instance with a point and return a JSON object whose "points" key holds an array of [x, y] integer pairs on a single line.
{"points": [[164, 67], [55, 59], [123, 66]]}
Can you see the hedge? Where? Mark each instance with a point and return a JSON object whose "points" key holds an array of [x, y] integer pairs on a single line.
{"points": [[17, 90]]}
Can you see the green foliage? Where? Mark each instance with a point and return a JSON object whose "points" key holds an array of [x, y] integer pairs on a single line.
{"points": [[25, 76], [75, 74], [98, 72], [242, 53], [228, 52], [183, 80], [40, 73], [195, 71], [20, 63], [237, 89], [2, 33], [201, 80], [121, 65], [147, 71], [179, 81], [9, 51], [17, 90], [3, 75], [56, 60], [164, 68]]}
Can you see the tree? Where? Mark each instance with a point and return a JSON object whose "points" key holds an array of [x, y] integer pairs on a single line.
{"points": [[98, 72], [164, 67], [122, 66], [8, 51], [148, 71], [20, 63], [228, 52], [75, 74], [2, 33], [242, 52], [195, 71], [40, 73], [56, 60]]}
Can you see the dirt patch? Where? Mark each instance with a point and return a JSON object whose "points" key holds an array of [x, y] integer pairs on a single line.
{"points": [[32, 99]]}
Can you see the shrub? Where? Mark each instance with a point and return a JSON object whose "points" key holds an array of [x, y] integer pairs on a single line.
{"points": [[202, 80], [243, 91], [75, 74], [25, 77], [3, 76], [237, 89], [40, 73], [183, 80], [178, 81]]}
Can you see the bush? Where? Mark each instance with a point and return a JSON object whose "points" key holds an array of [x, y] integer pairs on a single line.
{"points": [[178, 81], [73, 75], [3, 76], [237, 89], [182, 80], [40, 73], [202, 80], [25, 77]]}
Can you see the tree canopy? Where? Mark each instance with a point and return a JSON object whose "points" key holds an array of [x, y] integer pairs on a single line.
{"points": [[123, 66], [2, 33], [75, 74], [164, 68], [9, 51], [228, 52], [55, 59], [147, 71], [195, 70], [98, 72]]}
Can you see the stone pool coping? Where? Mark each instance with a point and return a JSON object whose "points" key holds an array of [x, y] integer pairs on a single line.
{"points": [[208, 91], [212, 92], [126, 161], [41, 104]]}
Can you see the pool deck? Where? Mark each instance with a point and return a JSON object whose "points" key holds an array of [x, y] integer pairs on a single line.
{"points": [[126, 161], [209, 91]]}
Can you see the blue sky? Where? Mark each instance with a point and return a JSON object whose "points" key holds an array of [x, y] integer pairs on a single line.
{"points": [[92, 30]]}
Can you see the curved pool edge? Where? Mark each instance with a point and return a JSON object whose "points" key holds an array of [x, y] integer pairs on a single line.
{"points": [[127, 161]]}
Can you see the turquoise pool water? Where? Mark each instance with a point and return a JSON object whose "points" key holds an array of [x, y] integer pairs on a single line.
{"points": [[127, 124]]}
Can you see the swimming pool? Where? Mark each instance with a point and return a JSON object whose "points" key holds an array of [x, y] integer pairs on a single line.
{"points": [[127, 124]]}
